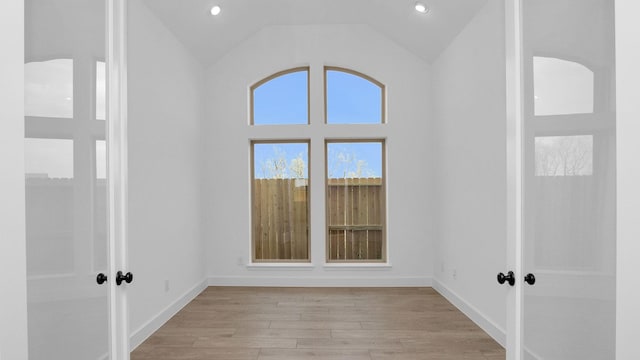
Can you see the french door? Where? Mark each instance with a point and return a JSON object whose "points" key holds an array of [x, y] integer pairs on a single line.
{"points": [[563, 304], [74, 241]]}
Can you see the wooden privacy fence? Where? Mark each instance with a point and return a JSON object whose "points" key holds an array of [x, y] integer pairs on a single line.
{"points": [[355, 219], [281, 219]]}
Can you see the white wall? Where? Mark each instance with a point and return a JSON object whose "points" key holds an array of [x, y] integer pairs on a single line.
{"points": [[470, 172], [165, 86], [13, 282], [628, 176], [227, 194]]}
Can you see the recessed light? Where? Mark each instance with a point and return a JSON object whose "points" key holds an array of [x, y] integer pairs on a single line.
{"points": [[215, 10], [421, 8]]}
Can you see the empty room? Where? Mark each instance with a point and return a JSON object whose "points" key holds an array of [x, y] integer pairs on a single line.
{"points": [[328, 179]]}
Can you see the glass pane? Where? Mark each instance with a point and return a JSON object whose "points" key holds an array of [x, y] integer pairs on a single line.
{"points": [[101, 90], [562, 87], [280, 201], [352, 99], [564, 155], [100, 208], [101, 159], [48, 88], [50, 206], [569, 181], [355, 201], [282, 100], [49, 158], [68, 312]]}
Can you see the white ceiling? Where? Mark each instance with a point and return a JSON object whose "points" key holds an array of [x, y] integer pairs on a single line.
{"points": [[211, 37]]}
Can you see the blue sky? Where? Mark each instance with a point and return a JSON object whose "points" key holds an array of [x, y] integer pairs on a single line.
{"points": [[268, 154], [350, 100], [282, 100], [359, 159]]}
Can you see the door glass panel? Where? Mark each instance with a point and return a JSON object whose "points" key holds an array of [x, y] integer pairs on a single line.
{"points": [[101, 90], [65, 175], [49, 184], [100, 207], [564, 155], [48, 88], [561, 87], [569, 180]]}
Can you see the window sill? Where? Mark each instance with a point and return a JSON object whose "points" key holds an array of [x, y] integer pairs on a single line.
{"points": [[280, 266], [357, 266]]}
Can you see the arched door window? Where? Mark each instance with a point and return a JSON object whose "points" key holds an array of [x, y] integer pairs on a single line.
{"points": [[562, 87]]}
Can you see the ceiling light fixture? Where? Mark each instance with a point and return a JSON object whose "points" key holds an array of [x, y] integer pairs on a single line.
{"points": [[215, 10], [421, 8]]}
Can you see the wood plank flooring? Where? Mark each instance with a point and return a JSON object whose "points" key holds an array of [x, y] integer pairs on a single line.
{"points": [[234, 323]]}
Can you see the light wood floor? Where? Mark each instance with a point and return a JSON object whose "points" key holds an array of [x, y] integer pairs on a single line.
{"points": [[233, 323]]}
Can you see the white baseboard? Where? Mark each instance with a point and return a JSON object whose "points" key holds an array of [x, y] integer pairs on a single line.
{"points": [[528, 354], [491, 328], [147, 329], [353, 281]]}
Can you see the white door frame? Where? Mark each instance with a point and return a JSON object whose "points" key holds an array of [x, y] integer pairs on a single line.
{"points": [[13, 255], [628, 178], [514, 76], [117, 175]]}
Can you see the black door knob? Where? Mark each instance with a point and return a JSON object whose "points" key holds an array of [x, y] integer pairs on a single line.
{"points": [[530, 279], [509, 278], [101, 278], [120, 277]]}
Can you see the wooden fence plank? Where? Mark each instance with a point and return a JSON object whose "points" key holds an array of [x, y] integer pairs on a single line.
{"points": [[281, 219], [257, 220]]}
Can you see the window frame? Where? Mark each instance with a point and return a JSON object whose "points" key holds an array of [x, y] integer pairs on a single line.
{"points": [[383, 94], [383, 200], [253, 198], [325, 134], [253, 87]]}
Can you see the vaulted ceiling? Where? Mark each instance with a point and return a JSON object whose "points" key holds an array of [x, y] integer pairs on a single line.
{"points": [[210, 37]]}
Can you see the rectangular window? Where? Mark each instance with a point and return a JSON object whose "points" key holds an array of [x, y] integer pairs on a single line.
{"points": [[355, 206], [280, 201]]}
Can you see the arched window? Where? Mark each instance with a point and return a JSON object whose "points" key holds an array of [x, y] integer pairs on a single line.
{"points": [[352, 97], [561, 87], [280, 167], [281, 99]]}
